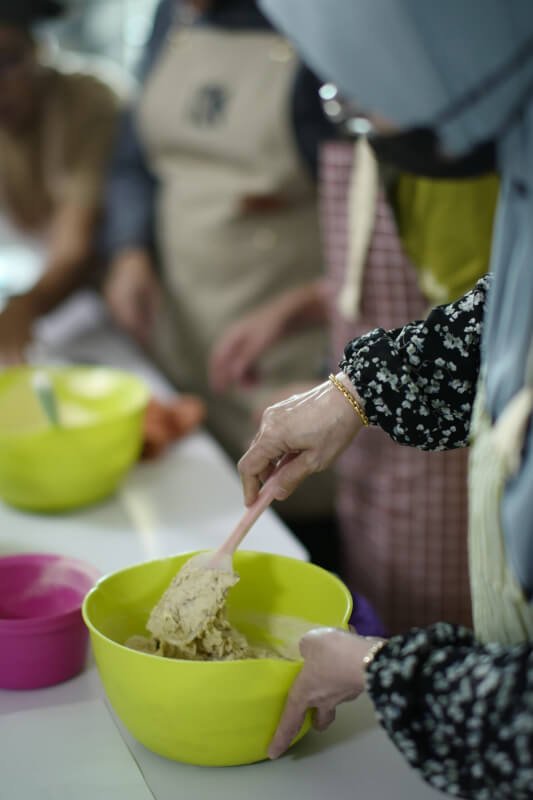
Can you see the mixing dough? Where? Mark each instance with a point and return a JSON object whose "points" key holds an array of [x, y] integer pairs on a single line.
{"points": [[190, 620]]}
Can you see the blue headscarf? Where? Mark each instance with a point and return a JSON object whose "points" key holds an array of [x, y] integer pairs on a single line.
{"points": [[412, 61], [464, 70]]}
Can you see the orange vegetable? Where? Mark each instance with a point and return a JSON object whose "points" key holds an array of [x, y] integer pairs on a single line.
{"points": [[164, 422]]}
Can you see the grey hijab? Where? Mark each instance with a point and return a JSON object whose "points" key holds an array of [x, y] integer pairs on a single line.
{"points": [[412, 61]]}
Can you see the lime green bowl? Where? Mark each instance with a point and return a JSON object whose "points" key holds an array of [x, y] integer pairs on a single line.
{"points": [[51, 469], [216, 713]]}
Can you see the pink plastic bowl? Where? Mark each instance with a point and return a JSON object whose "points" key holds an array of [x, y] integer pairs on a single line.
{"points": [[43, 639]]}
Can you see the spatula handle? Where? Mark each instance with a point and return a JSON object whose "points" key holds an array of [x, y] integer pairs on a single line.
{"points": [[264, 499]]}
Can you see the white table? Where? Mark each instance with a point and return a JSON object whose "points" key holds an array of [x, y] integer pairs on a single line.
{"points": [[162, 510]]}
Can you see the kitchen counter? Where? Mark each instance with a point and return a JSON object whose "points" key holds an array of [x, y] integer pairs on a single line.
{"points": [[63, 742]]}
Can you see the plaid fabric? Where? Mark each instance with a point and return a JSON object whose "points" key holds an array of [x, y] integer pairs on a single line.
{"points": [[402, 512]]}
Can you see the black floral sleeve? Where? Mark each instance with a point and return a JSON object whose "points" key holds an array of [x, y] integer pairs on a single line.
{"points": [[418, 382], [460, 712]]}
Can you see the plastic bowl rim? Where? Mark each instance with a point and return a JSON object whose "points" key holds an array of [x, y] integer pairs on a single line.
{"points": [[136, 408], [204, 664], [44, 624]]}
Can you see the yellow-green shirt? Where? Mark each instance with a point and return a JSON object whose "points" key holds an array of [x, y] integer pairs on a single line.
{"points": [[446, 230]]}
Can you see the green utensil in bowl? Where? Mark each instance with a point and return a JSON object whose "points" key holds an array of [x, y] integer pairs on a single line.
{"points": [[43, 388], [50, 468]]}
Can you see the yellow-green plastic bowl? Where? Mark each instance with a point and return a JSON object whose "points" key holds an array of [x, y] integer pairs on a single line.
{"points": [[217, 713], [51, 469]]}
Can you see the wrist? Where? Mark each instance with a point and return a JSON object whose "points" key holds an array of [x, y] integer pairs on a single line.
{"points": [[131, 251], [350, 651], [342, 384], [290, 309], [375, 646], [130, 255], [370, 657], [348, 385], [359, 654], [302, 306]]}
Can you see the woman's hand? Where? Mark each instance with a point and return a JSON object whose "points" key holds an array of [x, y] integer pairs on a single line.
{"points": [[234, 358], [333, 673], [314, 427], [132, 293]]}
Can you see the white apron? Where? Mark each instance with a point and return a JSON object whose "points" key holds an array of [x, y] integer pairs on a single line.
{"points": [[236, 217]]}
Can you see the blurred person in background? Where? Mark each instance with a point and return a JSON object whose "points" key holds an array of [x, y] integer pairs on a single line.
{"points": [[457, 703], [212, 210], [394, 245], [56, 131]]}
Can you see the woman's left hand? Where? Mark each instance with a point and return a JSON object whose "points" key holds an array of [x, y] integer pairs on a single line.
{"points": [[333, 673], [235, 356]]}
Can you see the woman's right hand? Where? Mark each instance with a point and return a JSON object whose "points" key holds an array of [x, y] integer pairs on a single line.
{"points": [[132, 292], [314, 427]]}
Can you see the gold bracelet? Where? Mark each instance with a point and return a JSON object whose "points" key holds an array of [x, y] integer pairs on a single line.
{"points": [[372, 653], [357, 407]]}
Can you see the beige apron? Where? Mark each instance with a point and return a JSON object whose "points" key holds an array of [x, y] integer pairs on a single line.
{"points": [[501, 612], [236, 219]]}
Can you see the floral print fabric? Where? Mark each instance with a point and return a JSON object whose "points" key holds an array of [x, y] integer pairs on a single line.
{"points": [[418, 382], [460, 712]]}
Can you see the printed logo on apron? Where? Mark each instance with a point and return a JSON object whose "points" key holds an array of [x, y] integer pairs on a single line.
{"points": [[209, 105]]}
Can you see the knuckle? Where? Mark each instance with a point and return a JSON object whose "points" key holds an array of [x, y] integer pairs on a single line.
{"points": [[312, 462], [269, 416]]}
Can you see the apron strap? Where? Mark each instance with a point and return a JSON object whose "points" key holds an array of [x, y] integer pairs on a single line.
{"points": [[362, 202], [509, 431]]}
